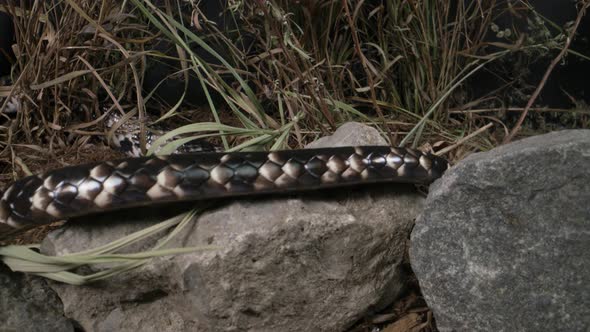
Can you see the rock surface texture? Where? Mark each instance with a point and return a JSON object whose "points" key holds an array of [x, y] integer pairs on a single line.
{"points": [[503, 243], [28, 305], [313, 262]]}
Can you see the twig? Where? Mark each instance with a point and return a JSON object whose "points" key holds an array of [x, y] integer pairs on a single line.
{"points": [[464, 139], [517, 109], [554, 63]]}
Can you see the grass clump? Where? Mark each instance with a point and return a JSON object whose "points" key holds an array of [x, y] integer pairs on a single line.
{"points": [[268, 74]]}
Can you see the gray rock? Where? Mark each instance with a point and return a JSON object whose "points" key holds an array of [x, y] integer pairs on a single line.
{"points": [[503, 243], [315, 262], [28, 305], [350, 134]]}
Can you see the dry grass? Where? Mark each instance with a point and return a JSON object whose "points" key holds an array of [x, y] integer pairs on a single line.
{"points": [[66, 79], [396, 65]]}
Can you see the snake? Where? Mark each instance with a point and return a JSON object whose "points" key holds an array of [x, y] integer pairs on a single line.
{"points": [[138, 181], [100, 187]]}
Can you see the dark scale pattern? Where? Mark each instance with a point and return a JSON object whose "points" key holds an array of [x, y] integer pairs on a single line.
{"points": [[79, 190]]}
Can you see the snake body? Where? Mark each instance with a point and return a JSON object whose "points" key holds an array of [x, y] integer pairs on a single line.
{"points": [[133, 182]]}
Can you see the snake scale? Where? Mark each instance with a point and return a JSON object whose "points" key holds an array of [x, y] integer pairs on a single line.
{"points": [[134, 182]]}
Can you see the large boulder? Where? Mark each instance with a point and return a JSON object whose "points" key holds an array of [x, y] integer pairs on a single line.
{"points": [[312, 262], [503, 243]]}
